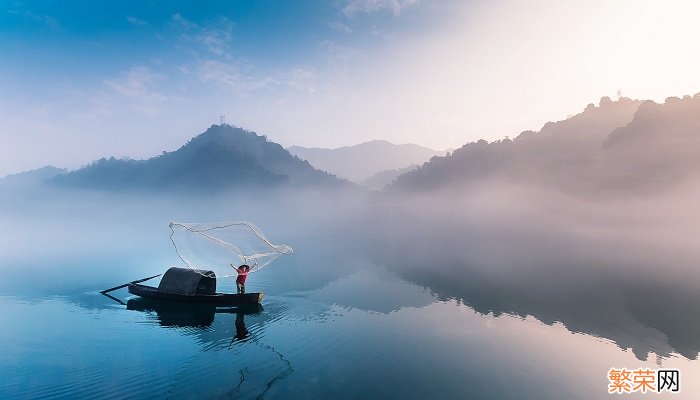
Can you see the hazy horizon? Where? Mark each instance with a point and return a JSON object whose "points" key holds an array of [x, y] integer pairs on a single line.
{"points": [[343, 147], [134, 79]]}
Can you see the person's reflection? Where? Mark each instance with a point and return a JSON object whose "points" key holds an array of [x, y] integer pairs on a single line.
{"points": [[241, 330]]}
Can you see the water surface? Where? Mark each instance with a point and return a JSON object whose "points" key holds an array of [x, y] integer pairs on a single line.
{"points": [[349, 315]]}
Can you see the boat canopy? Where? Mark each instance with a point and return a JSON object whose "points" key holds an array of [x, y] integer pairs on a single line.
{"points": [[188, 281]]}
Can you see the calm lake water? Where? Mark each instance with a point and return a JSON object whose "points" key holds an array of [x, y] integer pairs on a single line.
{"points": [[332, 325]]}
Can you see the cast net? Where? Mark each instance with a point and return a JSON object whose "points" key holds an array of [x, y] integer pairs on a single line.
{"points": [[219, 245]]}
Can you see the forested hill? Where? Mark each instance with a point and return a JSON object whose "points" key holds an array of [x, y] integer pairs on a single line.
{"points": [[224, 157], [618, 147]]}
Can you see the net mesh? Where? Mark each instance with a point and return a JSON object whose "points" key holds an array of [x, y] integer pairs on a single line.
{"points": [[221, 246]]}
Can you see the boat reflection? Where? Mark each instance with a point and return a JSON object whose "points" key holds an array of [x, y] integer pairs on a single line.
{"points": [[234, 358], [173, 314]]}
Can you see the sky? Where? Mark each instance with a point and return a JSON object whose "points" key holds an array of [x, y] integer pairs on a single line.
{"points": [[81, 80]]}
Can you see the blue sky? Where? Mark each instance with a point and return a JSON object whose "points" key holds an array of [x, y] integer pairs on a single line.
{"points": [[85, 79]]}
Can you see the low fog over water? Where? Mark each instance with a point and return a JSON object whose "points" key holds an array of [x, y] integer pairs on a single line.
{"points": [[622, 269]]}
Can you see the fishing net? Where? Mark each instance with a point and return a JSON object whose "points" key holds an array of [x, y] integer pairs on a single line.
{"points": [[217, 246]]}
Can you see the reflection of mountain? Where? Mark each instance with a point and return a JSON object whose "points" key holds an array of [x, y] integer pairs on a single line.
{"points": [[221, 158], [506, 236], [358, 163], [372, 290], [619, 147], [635, 310]]}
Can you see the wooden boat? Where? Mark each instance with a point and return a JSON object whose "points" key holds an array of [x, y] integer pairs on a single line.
{"points": [[192, 286]]}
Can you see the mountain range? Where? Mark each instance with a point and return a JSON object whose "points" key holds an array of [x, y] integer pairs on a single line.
{"points": [[623, 146], [362, 162], [38, 175], [618, 146], [223, 157]]}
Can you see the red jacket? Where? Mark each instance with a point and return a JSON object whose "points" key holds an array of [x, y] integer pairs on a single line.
{"points": [[241, 277]]}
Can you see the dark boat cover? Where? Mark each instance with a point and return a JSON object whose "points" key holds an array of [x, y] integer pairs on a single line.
{"points": [[188, 281]]}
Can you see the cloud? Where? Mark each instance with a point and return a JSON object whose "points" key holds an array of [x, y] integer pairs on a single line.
{"points": [[245, 79], [215, 37], [48, 21], [301, 79], [182, 22], [239, 77], [339, 26], [136, 21], [215, 40], [372, 6], [137, 84], [337, 54], [95, 106]]}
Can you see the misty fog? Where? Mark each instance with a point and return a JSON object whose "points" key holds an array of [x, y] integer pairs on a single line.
{"points": [[622, 269], [536, 230], [612, 267]]}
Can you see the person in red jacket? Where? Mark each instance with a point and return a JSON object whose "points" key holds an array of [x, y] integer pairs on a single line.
{"points": [[240, 279]]}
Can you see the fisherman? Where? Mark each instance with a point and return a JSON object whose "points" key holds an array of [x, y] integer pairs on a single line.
{"points": [[243, 271]]}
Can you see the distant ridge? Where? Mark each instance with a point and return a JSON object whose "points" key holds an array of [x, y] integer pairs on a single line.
{"points": [[35, 175], [574, 154], [383, 178], [221, 158], [360, 162], [623, 147]]}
